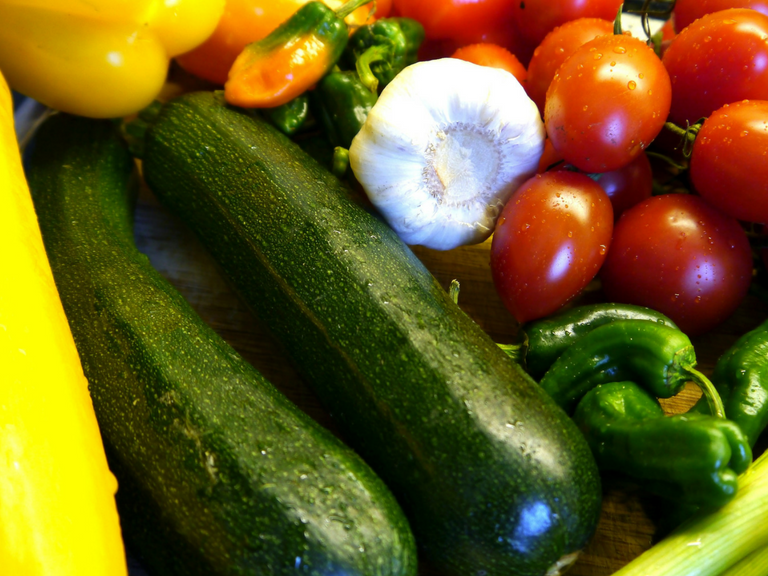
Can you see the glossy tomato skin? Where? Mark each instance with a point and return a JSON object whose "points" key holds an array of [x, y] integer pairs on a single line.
{"points": [[627, 186], [549, 242], [472, 22], [607, 103], [534, 19], [680, 256], [555, 48], [494, 56], [729, 161], [686, 11], [246, 21], [719, 59]]}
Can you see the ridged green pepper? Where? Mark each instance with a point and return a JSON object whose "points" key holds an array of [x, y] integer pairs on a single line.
{"points": [[741, 378], [289, 117], [341, 104], [691, 459], [656, 356], [379, 51], [546, 339]]}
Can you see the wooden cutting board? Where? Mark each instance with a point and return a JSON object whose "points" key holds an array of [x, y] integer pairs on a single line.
{"points": [[627, 526]]}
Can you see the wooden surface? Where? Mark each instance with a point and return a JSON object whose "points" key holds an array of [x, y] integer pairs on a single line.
{"points": [[627, 524]]}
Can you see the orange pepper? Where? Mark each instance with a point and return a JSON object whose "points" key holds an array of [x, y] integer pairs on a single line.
{"points": [[247, 21], [280, 67]]}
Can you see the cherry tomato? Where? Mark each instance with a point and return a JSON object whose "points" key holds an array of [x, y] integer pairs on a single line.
{"points": [[719, 59], [626, 186], [678, 255], [494, 56], [534, 19], [246, 21], [555, 48], [607, 103], [686, 11], [549, 242], [729, 161]]}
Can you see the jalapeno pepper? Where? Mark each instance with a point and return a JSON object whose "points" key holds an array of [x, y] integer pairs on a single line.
{"points": [[276, 69], [656, 356], [341, 104], [548, 338], [691, 459], [379, 51]]}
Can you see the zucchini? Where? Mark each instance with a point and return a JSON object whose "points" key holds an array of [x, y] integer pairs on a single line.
{"points": [[219, 473], [494, 477]]}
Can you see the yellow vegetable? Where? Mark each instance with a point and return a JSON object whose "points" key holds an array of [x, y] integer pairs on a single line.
{"points": [[57, 508], [98, 58]]}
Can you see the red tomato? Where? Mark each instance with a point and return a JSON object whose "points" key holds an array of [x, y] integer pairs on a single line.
{"points": [[246, 21], [729, 161], [549, 242], [626, 186], [719, 59], [686, 11], [534, 19], [468, 22], [494, 56], [629, 185], [555, 48], [607, 103], [678, 255]]}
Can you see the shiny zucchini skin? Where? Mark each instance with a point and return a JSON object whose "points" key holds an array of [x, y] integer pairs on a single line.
{"points": [[494, 477], [219, 473]]}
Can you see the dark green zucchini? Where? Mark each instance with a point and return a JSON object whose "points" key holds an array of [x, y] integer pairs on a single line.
{"points": [[219, 473], [494, 477]]}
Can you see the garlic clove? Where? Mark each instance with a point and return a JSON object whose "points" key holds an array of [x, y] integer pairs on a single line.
{"points": [[443, 149]]}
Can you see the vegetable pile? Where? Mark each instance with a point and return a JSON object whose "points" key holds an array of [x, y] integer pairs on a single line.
{"points": [[616, 181]]}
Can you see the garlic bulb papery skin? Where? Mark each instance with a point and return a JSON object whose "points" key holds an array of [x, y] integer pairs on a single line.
{"points": [[443, 149]]}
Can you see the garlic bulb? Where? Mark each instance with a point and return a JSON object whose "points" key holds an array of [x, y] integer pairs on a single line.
{"points": [[443, 149]]}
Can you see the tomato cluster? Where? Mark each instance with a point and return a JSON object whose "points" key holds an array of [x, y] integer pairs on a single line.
{"points": [[605, 98]]}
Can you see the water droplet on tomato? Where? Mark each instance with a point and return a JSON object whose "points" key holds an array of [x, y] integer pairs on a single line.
{"points": [[620, 50], [631, 84], [597, 56]]}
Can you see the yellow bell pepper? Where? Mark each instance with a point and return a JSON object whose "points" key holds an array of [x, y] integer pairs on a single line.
{"points": [[57, 509], [98, 58]]}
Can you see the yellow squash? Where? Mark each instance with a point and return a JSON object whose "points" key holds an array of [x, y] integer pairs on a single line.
{"points": [[57, 506]]}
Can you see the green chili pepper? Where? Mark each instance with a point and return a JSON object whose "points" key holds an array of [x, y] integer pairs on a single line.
{"points": [[290, 60], [289, 118], [341, 104], [379, 51], [656, 356], [741, 378], [548, 338], [691, 459]]}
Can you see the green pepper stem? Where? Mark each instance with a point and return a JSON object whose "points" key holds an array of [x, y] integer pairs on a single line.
{"points": [[376, 53], [347, 9], [709, 391]]}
